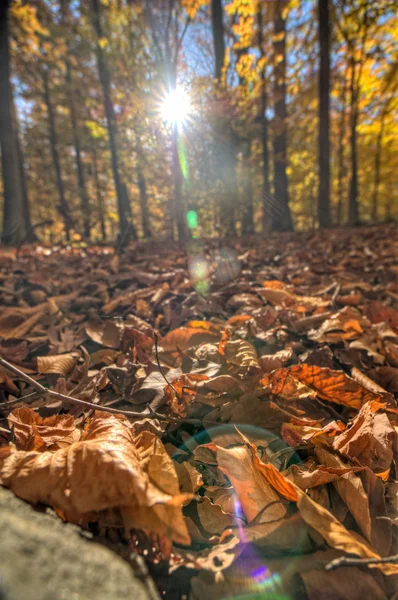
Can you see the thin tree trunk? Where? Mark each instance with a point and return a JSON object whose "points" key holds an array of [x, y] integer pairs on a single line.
{"points": [[14, 226], [341, 162], [125, 225], [377, 170], [177, 204], [247, 218], [52, 135], [281, 217], [225, 147], [30, 232], [99, 196], [218, 37], [266, 191], [84, 200], [353, 192], [324, 116], [146, 228]]}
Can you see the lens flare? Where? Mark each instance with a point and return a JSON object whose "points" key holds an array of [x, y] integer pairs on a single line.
{"points": [[176, 106]]}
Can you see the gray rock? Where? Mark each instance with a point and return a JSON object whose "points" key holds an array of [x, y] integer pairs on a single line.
{"points": [[42, 558]]}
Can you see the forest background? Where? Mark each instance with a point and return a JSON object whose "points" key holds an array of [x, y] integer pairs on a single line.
{"points": [[292, 119]]}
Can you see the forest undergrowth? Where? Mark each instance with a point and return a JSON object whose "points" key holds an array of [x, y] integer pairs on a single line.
{"points": [[228, 412]]}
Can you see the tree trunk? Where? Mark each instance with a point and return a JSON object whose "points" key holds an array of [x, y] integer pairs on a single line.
{"points": [[125, 225], [14, 226], [377, 170], [247, 218], [52, 135], [353, 192], [218, 37], [266, 191], [178, 209], [225, 148], [99, 196], [146, 228], [324, 116], [84, 201], [30, 232], [281, 217], [341, 162]]}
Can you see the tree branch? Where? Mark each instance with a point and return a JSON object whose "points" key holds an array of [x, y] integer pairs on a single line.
{"points": [[57, 396], [346, 561]]}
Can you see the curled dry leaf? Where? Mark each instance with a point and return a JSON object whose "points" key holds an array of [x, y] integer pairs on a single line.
{"points": [[56, 363], [370, 439], [109, 469], [32, 432], [243, 355]]}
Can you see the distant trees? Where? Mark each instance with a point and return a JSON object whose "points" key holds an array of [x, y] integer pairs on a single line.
{"points": [[292, 122]]}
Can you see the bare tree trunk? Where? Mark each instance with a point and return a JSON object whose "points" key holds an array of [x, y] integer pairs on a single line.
{"points": [[84, 201], [30, 232], [281, 217], [247, 218], [218, 37], [225, 146], [353, 214], [125, 225], [324, 116], [14, 224], [146, 228], [341, 162], [377, 170], [52, 135], [266, 191], [99, 196]]}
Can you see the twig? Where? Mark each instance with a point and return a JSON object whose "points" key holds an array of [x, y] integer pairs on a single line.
{"points": [[335, 294], [57, 396], [155, 335], [346, 561]]}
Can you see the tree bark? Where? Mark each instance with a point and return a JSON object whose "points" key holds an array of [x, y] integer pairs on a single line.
{"points": [[99, 196], [125, 224], [266, 191], [377, 170], [324, 217], [247, 217], [341, 162], [218, 37], [225, 147], [14, 224], [84, 200], [52, 136], [281, 217], [146, 228], [30, 232], [353, 213]]}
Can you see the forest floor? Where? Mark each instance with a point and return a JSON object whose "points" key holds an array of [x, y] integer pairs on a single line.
{"points": [[245, 431]]}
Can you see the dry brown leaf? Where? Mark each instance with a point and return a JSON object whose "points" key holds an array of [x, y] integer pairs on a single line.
{"points": [[32, 432], [56, 363], [330, 385], [243, 355], [106, 334], [184, 338], [256, 496], [109, 469], [369, 440]]}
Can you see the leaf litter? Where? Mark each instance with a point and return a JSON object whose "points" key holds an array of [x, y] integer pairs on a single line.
{"points": [[240, 433]]}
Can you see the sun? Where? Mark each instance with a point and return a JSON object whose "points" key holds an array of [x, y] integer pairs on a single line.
{"points": [[175, 106]]}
